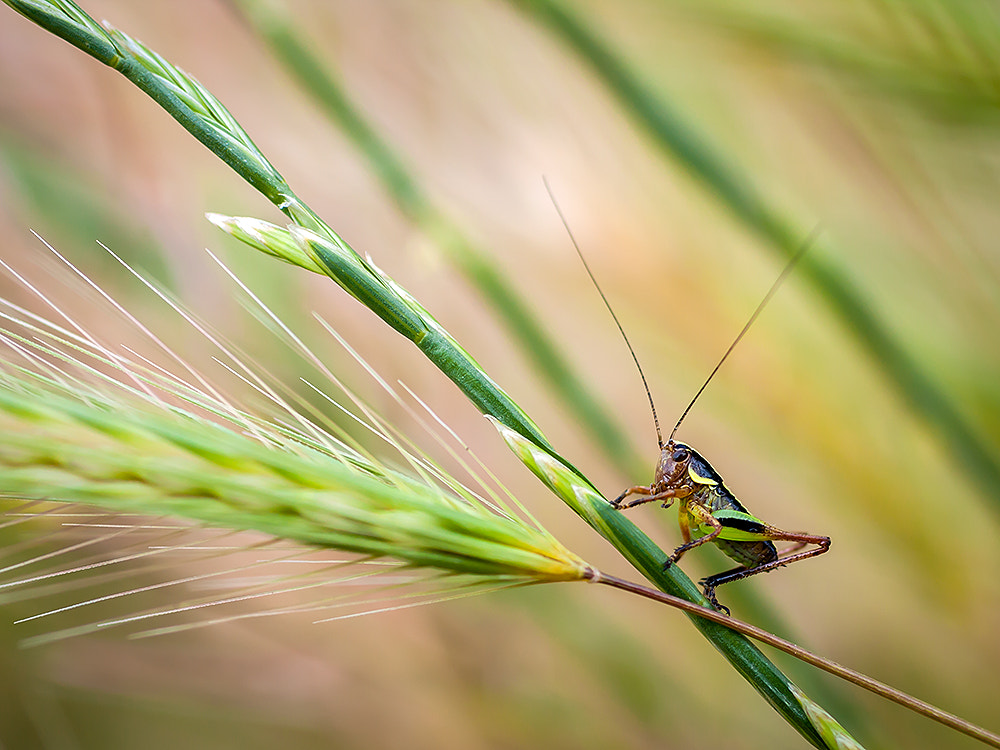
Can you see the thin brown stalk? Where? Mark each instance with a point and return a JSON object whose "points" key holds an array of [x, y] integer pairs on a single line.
{"points": [[758, 634]]}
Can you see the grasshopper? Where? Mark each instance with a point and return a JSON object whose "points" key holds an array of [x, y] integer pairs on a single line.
{"points": [[708, 511]]}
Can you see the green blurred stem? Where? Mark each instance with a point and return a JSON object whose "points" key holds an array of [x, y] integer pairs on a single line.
{"points": [[879, 688], [271, 22], [930, 80], [719, 175]]}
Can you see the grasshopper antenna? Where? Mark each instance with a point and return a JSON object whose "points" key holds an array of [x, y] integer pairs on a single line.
{"points": [[806, 244], [572, 239]]}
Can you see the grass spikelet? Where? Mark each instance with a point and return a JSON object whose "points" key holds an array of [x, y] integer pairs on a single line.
{"points": [[564, 481], [266, 237], [829, 728]]}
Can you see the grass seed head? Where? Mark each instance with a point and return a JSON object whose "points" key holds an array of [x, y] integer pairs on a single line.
{"points": [[135, 456]]}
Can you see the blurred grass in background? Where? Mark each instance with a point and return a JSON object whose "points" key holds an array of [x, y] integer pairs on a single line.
{"points": [[879, 120]]}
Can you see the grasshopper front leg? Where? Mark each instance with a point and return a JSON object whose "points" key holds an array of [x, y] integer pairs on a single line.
{"points": [[649, 495]]}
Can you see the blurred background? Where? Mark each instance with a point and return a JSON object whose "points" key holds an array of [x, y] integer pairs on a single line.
{"points": [[878, 121]]}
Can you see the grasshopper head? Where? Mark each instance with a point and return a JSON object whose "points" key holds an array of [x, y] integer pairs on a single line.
{"points": [[672, 471], [682, 466]]}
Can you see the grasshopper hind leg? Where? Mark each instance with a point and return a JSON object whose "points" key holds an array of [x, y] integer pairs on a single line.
{"points": [[709, 590], [790, 555]]}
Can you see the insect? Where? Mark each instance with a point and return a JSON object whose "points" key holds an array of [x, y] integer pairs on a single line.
{"points": [[708, 511]]}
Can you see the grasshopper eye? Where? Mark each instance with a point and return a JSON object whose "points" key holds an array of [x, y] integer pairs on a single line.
{"points": [[680, 455]]}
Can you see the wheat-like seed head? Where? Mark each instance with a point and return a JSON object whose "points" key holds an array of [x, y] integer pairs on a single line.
{"points": [[135, 458], [82, 424]]}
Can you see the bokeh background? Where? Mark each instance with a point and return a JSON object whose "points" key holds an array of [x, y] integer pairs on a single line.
{"points": [[877, 121]]}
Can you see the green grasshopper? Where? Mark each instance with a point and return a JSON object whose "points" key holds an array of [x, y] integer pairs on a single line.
{"points": [[708, 511]]}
